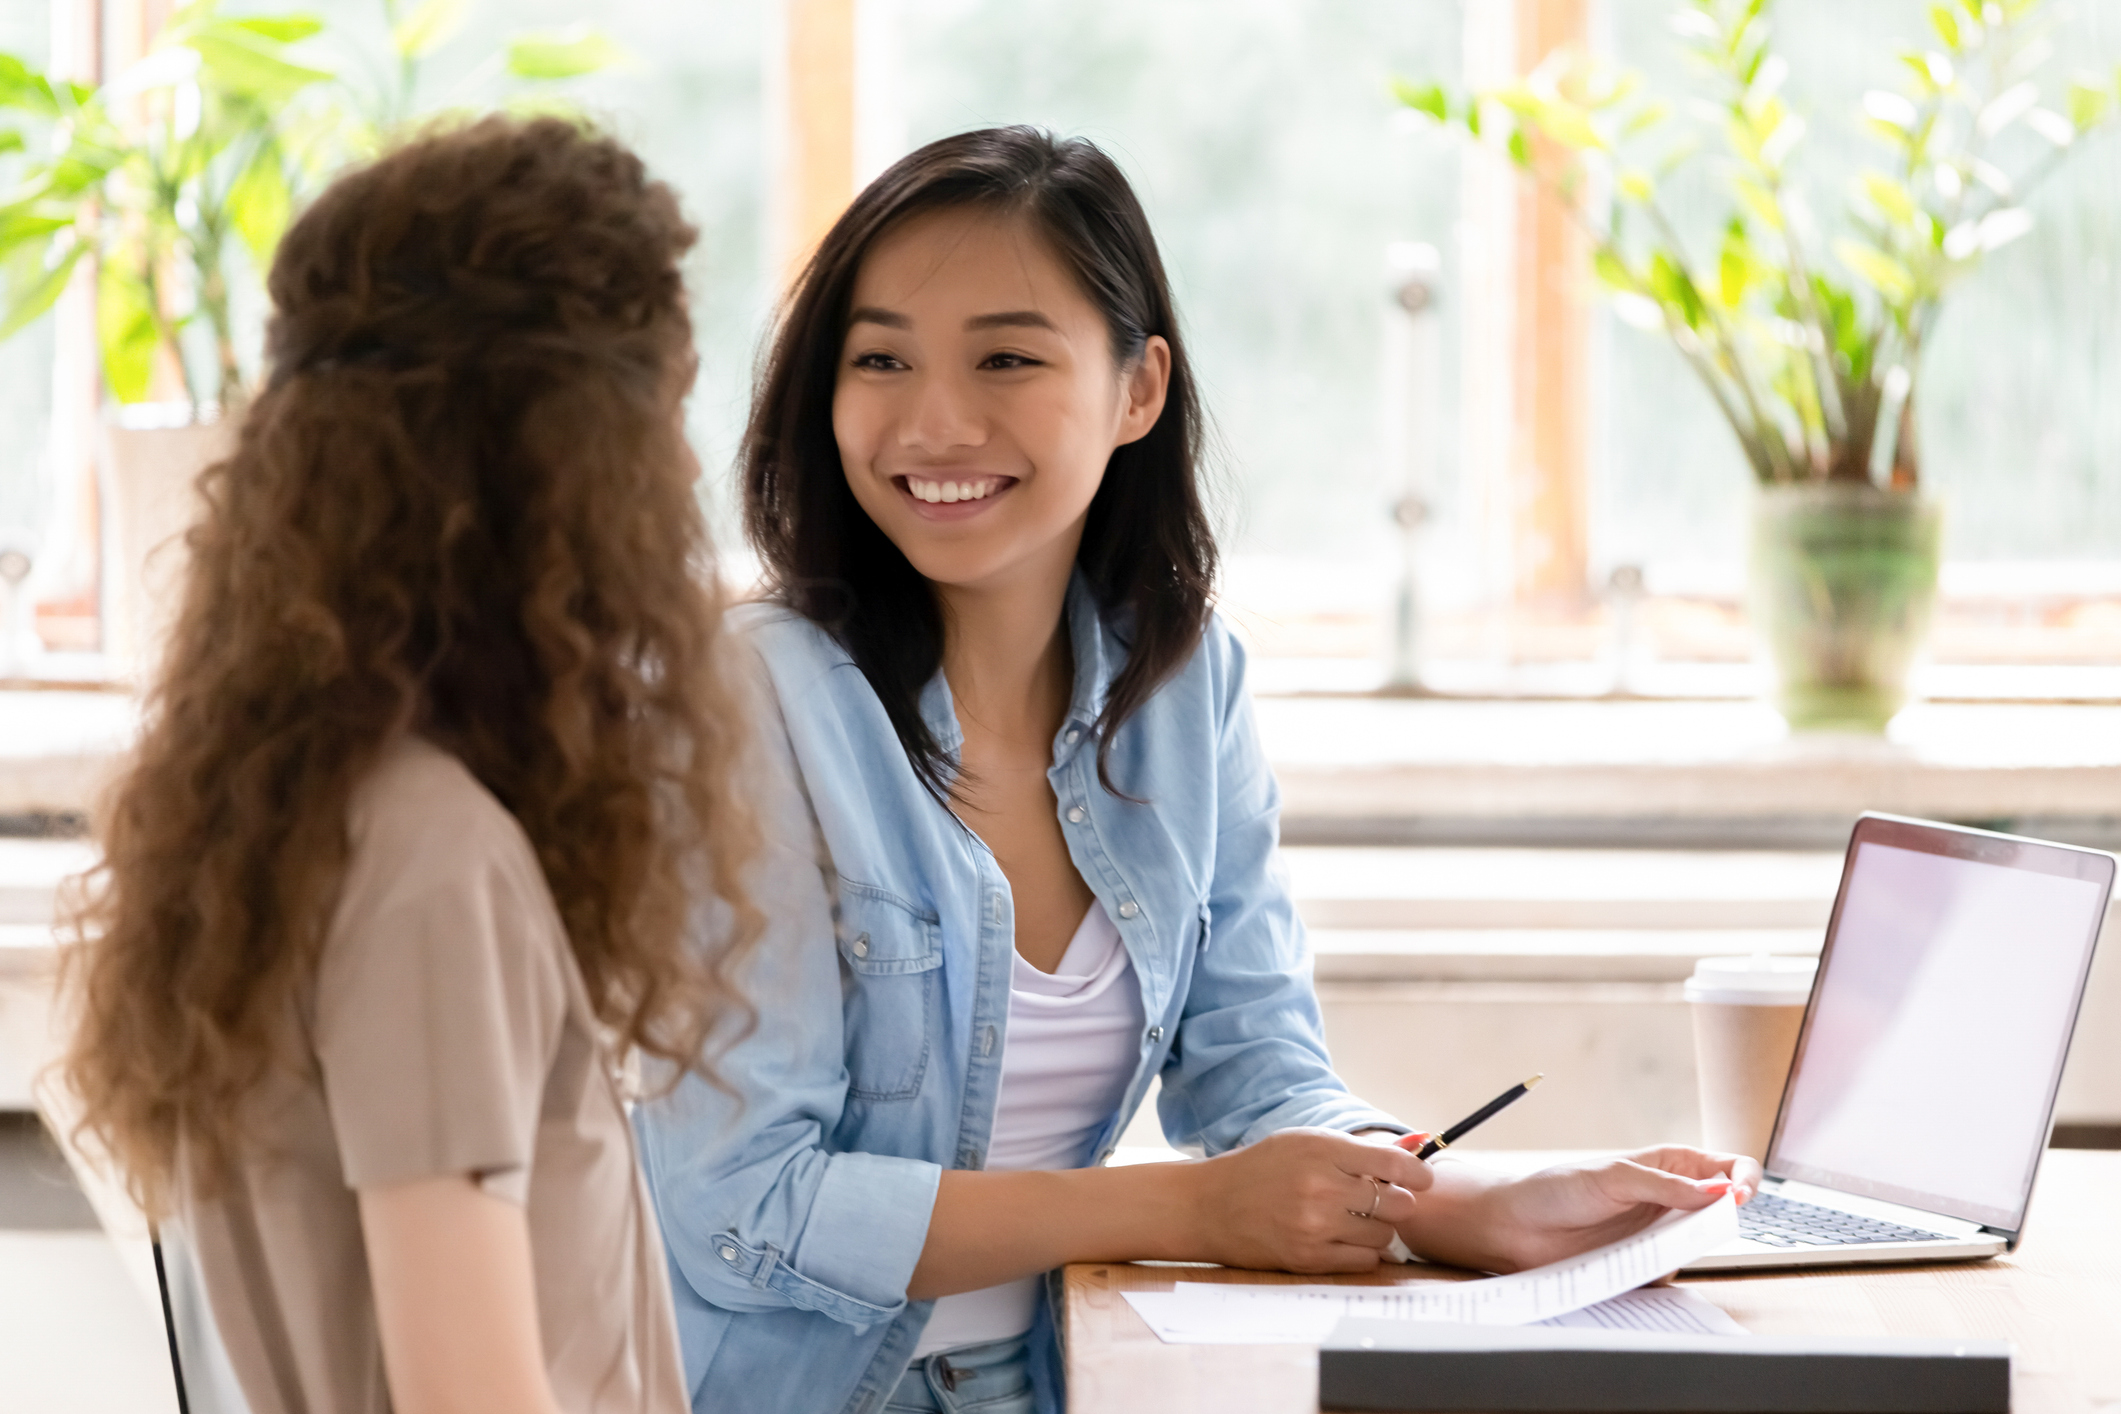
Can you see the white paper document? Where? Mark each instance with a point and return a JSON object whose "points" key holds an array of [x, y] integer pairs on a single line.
{"points": [[1575, 1291]]}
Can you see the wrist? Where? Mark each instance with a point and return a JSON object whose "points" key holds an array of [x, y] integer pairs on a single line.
{"points": [[1458, 1220], [1183, 1204]]}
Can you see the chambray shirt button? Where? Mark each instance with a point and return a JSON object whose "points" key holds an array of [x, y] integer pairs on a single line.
{"points": [[1129, 909], [1075, 734], [861, 945], [729, 1254], [1156, 1033], [1075, 815]]}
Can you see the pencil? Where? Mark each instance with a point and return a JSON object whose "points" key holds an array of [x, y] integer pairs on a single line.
{"points": [[1479, 1117]]}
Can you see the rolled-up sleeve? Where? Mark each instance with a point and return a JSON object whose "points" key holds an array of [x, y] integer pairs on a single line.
{"points": [[758, 1213], [1250, 1058]]}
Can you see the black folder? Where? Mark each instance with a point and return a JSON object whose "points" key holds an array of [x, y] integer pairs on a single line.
{"points": [[1424, 1365]]}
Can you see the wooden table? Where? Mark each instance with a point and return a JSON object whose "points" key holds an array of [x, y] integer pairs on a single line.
{"points": [[2057, 1298]]}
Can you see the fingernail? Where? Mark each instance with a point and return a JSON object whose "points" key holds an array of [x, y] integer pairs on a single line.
{"points": [[1411, 1142], [1715, 1187]]}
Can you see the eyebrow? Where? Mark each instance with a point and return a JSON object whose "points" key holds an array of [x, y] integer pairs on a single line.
{"points": [[869, 314], [1011, 319], [1007, 319]]}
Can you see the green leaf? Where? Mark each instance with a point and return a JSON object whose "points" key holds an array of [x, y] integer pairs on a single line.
{"points": [[1646, 117], [10, 141], [1758, 200], [29, 303], [1734, 265], [1637, 185], [1520, 150], [24, 88], [259, 205], [245, 64], [1613, 271], [2088, 105], [1877, 269], [1675, 291], [1426, 98], [432, 24], [562, 54], [1947, 26], [23, 223], [281, 29], [1562, 122], [125, 330], [1890, 197]]}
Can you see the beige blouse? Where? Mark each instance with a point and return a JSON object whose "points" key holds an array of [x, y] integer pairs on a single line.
{"points": [[448, 1032]]}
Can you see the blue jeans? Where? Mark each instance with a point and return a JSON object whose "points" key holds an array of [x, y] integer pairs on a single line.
{"points": [[994, 1378]]}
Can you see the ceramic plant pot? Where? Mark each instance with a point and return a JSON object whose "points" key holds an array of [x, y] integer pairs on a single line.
{"points": [[150, 477], [1843, 581]]}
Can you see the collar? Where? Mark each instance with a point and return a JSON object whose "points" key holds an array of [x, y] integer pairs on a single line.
{"points": [[1086, 638]]}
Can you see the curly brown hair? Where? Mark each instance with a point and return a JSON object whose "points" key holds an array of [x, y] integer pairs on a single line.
{"points": [[462, 506]]}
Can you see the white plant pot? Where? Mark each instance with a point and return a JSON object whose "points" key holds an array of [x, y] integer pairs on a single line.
{"points": [[150, 499]]}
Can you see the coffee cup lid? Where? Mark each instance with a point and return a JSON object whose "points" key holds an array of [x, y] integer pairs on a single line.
{"points": [[1757, 980]]}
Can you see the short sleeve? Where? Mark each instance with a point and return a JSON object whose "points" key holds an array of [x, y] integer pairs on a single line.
{"points": [[440, 999]]}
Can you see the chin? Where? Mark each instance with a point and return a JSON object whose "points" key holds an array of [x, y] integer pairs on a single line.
{"points": [[958, 565]]}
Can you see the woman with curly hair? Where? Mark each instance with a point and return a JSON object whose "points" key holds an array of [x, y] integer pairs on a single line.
{"points": [[435, 773]]}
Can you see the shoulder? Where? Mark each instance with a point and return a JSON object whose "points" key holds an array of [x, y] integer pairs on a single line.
{"points": [[778, 633], [418, 792], [1211, 679], [420, 822], [783, 648]]}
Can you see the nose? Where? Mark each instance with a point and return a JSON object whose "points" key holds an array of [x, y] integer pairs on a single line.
{"points": [[942, 416]]}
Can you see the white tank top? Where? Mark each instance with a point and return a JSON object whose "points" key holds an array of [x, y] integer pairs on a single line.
{"points": [[1073, 1041]]}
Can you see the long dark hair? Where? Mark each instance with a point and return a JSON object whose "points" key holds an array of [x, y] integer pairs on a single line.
{"points": [[1148, 551]]}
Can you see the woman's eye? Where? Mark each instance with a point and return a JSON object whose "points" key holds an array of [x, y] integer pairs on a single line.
{"points": [[880, 361], [1009, 360]]}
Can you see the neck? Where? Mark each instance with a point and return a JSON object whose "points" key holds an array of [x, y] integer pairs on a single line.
{"points": [[1006, 652]]}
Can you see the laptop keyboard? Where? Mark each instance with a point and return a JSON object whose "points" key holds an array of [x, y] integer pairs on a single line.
{"points": [[1783, 1222]]}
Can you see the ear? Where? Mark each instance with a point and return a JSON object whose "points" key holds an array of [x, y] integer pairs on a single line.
{"points": [[1144, 390]]}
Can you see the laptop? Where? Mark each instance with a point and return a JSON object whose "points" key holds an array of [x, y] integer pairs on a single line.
{"points": [[1923, 1087]]}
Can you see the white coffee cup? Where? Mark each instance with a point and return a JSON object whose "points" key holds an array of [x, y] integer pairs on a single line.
{"points": [[1747, 1012]]}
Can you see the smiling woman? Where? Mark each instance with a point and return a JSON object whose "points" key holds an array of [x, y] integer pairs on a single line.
{"points": [[1021, 843]]}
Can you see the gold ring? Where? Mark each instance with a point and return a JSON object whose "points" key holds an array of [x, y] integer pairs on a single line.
{"points": [[1377, 1196]]}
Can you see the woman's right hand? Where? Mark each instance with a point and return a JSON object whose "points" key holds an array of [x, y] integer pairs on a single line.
{"points": [[1296, 1202]]}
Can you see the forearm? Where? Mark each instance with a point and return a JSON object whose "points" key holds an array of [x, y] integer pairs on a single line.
{"points": [[989, 1228]]}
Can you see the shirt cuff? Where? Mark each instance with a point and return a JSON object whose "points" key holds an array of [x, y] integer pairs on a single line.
{"points": [[868, 1222]]}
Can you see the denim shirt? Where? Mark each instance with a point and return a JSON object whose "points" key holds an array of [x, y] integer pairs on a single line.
{"points": [[795, 1200]]}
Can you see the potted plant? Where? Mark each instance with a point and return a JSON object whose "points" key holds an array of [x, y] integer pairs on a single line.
{"points": [[1810, 345], [174, 182]]}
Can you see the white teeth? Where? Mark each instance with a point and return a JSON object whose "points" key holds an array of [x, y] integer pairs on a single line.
{"points": [[944, 492]]}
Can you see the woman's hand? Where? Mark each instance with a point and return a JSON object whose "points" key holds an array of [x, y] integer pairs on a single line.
{"points": [[1304, 1200], [1502, 1225]]}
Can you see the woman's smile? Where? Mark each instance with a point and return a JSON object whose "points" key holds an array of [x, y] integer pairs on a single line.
{"points": [[935, 496]]}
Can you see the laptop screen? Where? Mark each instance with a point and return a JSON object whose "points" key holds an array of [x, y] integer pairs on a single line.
{"points": [[1948, 986]]}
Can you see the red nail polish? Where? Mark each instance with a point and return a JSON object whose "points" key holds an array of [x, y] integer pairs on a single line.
{"points": [[1411, 1142], [1716, 1187]]}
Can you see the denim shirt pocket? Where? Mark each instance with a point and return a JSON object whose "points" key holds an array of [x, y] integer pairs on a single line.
{"points": [[890, 952]]}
